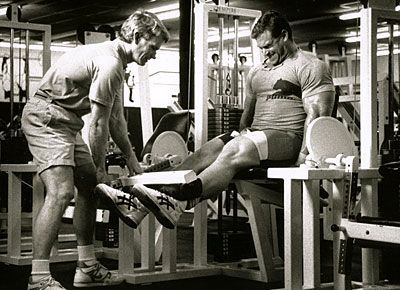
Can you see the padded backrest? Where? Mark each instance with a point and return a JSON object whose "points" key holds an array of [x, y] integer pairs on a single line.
{"points": [[172, 121], [335, 105]]}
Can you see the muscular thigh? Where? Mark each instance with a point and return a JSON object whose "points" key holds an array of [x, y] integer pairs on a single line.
{"points": [[58, 180], [240, 152]]}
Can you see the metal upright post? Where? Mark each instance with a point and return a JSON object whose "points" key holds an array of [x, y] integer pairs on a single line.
{"points": [[235, 75], [27, 43]]}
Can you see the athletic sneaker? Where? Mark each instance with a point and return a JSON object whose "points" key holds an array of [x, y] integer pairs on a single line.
{"points": [[46, 283], [95, 275], [127, 206], [166, 209]]}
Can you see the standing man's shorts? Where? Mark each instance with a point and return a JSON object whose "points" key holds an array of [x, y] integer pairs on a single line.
{"points": [[53, 135], [271, 144]]}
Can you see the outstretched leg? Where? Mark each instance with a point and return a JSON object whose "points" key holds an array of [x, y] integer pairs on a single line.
{"points": [[203, 157], [238, 154]]}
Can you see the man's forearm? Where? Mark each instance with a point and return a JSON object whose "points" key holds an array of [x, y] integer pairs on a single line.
{"points": [[316, 106], [308, 120], [245, 122], [119, 134], [98, 136], [248, 113]]}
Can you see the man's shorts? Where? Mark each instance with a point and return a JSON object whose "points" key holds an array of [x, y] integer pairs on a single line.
{"points": [[271, 144], [53, 135]]}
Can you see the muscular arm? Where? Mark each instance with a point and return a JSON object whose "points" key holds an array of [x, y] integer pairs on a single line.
{"points": [[119, 133], [249, 104], [98, 135], [315, 106]]}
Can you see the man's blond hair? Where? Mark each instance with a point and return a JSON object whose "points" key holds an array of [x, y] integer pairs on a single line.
{"points": [[146, 24]]}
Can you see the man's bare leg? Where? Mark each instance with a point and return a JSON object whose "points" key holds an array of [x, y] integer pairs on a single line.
{"points": [[216, 163], [237, 155], [203, 157], [58, 181], [85, 204], [59, 184]]}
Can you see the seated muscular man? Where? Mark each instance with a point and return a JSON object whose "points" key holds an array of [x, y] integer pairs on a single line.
{"points": [[284, 94]]}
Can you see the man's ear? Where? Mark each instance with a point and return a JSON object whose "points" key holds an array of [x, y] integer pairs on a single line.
{"points": [[137, 37], [285, 35]]}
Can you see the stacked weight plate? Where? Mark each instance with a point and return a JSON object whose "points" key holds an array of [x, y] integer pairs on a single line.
{"points": [[223, 119]]}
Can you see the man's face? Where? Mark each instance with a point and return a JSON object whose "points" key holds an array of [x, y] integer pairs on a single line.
{"points": [[272, 48], [146, 49]]}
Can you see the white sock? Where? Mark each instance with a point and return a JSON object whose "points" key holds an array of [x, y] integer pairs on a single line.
{"points": [[40, 269], [86, 254]]}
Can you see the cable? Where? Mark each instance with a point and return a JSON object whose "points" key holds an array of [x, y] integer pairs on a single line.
{"points": [[24, 182], [190, 53]]}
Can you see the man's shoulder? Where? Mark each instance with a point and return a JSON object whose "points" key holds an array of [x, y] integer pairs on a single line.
{"points": [[307, 57], [100, 50], [253, 70], [307, 61]]}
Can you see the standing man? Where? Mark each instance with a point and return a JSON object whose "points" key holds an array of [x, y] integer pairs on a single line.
{"points": [[86, 79], [284, 94]]}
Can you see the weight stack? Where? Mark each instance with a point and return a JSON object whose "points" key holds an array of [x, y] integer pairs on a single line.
{"points": [[223, 119], [108, 232], [230, 246], [232, 240]]}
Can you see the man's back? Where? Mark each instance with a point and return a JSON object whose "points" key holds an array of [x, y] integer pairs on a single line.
{"points": [[87, 72]]}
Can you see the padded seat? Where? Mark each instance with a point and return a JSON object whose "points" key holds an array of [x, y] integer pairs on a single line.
{"points": [[260, 172]]}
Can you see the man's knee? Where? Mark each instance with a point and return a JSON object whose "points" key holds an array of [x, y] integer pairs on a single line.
{"points": [[240, 152], [209, 149], [225, 138], [59, 184], [60, 196]]}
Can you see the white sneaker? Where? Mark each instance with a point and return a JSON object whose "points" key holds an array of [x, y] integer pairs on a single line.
{"points": [[128, 207], [95, 275], [166, 209], [46, 283]]}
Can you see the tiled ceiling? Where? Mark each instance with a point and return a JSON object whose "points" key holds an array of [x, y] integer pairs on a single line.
{"points": [[312, 20]]}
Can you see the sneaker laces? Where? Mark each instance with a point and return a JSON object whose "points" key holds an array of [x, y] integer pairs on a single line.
{"points": [[95, 272], [48, 282], [128, 200], [132, 203], [166, 201], [170, 202]]}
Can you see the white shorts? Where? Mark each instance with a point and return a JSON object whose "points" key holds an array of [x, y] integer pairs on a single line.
{"points": [[273, 144], [259, 139]]}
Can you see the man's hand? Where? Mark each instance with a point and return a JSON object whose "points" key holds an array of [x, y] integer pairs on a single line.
{"points": [[133, 165]]}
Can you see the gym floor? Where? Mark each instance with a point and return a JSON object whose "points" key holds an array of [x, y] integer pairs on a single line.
{"points": [[16, 277]]}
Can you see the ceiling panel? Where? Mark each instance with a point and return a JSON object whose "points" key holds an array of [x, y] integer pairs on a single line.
{"points": [[311, 20]]}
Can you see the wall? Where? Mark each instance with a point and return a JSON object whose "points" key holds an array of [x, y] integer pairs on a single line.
{"points": [[163, 80]]}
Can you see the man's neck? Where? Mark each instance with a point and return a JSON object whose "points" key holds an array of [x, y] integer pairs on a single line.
{"points": [[291, 49], [128, 49]]}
